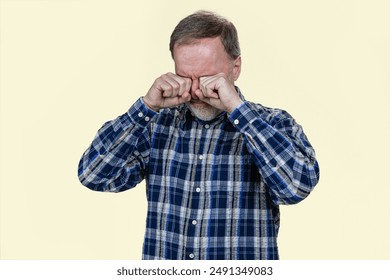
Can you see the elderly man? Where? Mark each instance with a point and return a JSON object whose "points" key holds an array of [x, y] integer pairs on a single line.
{"points": [[216, 166]]}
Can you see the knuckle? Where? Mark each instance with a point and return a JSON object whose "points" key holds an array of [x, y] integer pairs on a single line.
{"points": [[161, 79], [182, 82], [166, 75], [169, 87], [175, 85]]}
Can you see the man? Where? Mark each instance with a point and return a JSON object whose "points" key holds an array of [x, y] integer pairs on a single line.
{"points": [[216, 166]]}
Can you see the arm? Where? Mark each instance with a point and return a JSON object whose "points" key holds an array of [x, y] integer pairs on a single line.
{"points": [[280, 149], [118, 157]]}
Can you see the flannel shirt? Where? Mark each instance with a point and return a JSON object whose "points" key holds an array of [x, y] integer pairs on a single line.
{"points": [[213, 187]]}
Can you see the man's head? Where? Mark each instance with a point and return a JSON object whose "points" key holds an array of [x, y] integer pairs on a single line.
{"points": [[203, 24], [205, 44]]}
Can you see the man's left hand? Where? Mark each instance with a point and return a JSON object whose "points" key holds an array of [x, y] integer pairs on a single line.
{"points": [[219, 92]]}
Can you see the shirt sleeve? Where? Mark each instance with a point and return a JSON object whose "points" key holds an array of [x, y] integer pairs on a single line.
{"points": [[280, 149], [118, 157]]}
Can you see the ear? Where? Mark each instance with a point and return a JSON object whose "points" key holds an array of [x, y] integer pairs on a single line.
{"points": [[236, 68]]}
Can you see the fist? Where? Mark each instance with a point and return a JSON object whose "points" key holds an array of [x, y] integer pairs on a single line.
{"points": [[219, 92], [167, 91]]}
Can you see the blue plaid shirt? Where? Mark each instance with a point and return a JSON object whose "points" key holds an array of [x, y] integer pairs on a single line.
{"points": [[213, 187]]}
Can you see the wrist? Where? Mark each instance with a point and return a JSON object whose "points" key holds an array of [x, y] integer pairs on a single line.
{"points": [[235, 105], [149, 105]]}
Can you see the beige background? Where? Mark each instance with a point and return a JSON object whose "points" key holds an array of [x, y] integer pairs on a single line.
{"points": [[69, 66]]}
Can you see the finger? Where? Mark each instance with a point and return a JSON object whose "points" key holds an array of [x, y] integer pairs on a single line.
{"points": [[174, 101], [214, 102], [168, 86], [171, 86], [185, 97], [209, 87], [200, 95], [162, 85], [188, 84], [184, 83]]}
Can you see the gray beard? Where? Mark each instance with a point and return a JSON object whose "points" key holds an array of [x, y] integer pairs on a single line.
{"points": [[205, 114]]}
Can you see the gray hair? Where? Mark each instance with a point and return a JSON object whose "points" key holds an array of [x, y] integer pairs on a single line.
{"points": [[205, 24]]}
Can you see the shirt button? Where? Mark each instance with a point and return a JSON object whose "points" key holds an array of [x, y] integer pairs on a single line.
{"points": [[197, 189], [200, 157], [194, 222], [140, 114], [191, 256], [147, 119], [236, 122], [207, 126]]}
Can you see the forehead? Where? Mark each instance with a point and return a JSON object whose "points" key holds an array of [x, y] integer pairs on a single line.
{"points": [[200, 58]]}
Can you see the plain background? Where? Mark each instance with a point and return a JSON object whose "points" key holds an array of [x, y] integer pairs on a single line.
{"points": [[69, 66]]}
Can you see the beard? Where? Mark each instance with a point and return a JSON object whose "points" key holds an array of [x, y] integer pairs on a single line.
{"points": [[203, 111]]}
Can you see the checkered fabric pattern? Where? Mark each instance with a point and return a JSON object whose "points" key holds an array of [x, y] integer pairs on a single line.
{"points": [[213, 188]]}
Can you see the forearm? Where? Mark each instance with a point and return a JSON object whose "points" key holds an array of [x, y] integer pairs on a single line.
{"points": [[118, 155], [285, 159]]}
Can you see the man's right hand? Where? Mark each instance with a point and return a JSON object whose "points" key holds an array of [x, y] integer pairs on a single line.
{"points": [[167, 91]]}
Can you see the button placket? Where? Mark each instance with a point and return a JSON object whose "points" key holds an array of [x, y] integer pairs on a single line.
{"points": [[197, 200]]}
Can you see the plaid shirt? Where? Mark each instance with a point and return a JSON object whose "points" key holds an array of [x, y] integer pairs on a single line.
{"points": [[213, 187]]}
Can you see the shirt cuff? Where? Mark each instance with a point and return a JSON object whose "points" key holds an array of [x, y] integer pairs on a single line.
{"points": [[243, 115], [140, 114]]}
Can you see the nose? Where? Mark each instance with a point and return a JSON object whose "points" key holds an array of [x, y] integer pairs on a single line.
{"points": [[194, 87]]}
